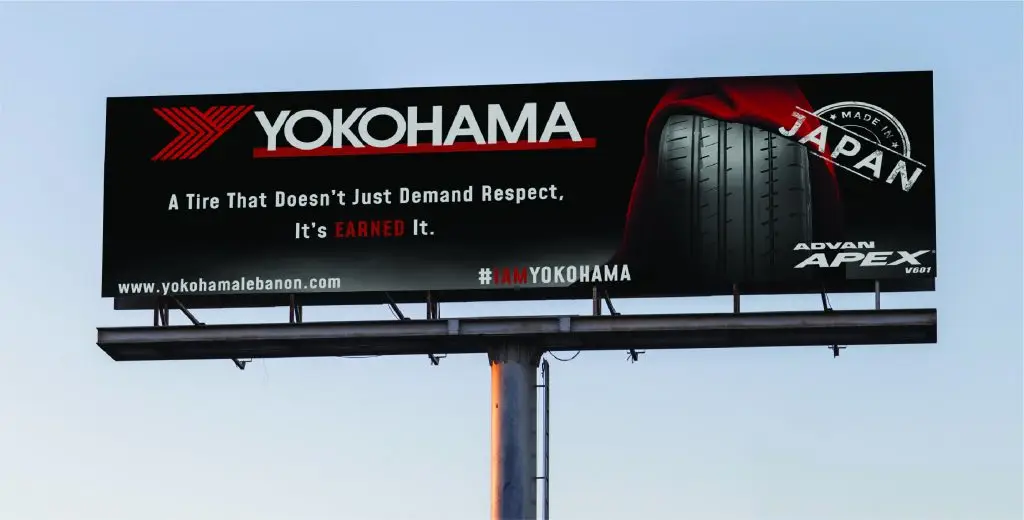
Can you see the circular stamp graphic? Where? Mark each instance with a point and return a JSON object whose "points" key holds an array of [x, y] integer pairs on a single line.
{"points": [[870, 122]]}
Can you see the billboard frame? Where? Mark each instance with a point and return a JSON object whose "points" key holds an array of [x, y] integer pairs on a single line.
{"points": [[436, 337], [135, 301], [514, 347]]}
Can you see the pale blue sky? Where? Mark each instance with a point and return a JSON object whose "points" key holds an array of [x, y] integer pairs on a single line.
{"points": [[882, 433]]}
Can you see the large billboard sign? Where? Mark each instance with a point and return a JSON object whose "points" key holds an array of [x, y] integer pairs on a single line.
{"points": [[784, 184]]}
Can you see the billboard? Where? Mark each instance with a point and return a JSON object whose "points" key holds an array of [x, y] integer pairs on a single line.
{"points": [[647, 188]]}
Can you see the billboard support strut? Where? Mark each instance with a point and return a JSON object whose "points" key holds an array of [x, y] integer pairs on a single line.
{"points": [[294, 309], [161, 314], [433, 313], [184, 310], [878, 295], [608, 302], [835, 348], [162, 318], [736, 298], [602, 295], [394, 308], [240, 363], [434, 358]]}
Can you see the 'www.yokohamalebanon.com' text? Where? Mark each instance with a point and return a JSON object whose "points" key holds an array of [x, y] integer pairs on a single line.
{"points": [[242, 284]]}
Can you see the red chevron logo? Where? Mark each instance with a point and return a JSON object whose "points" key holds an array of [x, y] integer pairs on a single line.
{"points": [[197, 130]]}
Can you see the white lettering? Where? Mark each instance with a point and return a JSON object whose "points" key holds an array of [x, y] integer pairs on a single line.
{"points": [[325, 132], [847, 146], [570, 274], [872, 259], [796, 125], [876, 258], [382, 143], [816, 137], [351, 127], [272, 129], [820, 246], [496, 120], [872, 162], [464, 125], [435, 126], [901, 170], [343, 127], [560, 121]]}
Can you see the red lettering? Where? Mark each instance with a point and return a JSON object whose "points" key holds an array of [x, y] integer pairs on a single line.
{"points": [[519, 275], [510, 275], [369, 228]]}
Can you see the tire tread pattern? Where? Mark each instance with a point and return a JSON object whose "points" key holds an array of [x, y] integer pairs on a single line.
{"points": [[739, 196]]}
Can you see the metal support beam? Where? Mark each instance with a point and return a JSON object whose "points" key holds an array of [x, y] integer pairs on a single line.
{"points": [[394, 308], [827, 306], [433, 313], [514, 432], [611, 307], [545, 370], [555, 333], [161, 313], [633, 355], [433, 307], [432, 310], [294, 309], [184, 310], [162, 318]]}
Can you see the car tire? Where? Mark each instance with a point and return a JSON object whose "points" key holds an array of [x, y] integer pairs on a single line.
{"points": [[734, 200]]}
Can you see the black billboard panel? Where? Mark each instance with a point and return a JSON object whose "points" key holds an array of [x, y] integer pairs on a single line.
{"points": [[784, 184]]}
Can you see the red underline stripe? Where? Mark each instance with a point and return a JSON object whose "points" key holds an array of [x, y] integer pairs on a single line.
{"points": [[402, 149]]}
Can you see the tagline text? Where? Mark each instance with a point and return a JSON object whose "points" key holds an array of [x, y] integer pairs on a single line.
{"points": [[328, 228]]}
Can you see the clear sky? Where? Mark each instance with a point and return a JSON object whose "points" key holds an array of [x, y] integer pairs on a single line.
{"points": [[882, 433]]}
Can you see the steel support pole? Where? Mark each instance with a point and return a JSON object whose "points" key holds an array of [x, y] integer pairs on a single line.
{"points": [[514, 432]]}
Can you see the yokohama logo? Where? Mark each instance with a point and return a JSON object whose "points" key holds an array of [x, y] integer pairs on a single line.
{"points": [[347, 131], [197, 130]]}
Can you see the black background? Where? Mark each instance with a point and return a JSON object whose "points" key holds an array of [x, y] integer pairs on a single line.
{"points": [[144, 242]]}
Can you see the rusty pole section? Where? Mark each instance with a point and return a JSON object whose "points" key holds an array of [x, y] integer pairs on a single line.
{"points": [[514, 432]]}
